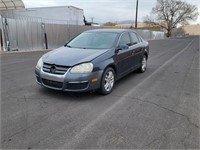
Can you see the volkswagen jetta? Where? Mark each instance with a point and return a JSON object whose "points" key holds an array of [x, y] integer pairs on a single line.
{"points": [[94, 60]]}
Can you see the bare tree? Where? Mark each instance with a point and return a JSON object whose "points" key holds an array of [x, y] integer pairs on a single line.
{"points": [[170, 13], [178, 32]]}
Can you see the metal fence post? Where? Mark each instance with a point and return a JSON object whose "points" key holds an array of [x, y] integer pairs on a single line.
{"points": [[6, 34], [44, 35]]}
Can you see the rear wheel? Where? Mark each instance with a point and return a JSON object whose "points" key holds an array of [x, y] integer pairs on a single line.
{"points": [[143, 66], [108, 81]]}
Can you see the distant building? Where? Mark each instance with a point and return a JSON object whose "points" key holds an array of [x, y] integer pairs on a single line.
{"points": [[192, 29], [140, 26], [59, 14], [89, 23], [188, 29]]}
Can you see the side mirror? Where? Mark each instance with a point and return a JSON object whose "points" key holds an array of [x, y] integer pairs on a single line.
{"points": [[122, 47]]}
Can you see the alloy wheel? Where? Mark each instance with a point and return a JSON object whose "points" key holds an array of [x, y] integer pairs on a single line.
{"points": [[144, 63], [109, 81]]}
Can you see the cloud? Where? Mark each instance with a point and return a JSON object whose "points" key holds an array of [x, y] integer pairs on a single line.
{"points": [[105, 10], [40, 3]]}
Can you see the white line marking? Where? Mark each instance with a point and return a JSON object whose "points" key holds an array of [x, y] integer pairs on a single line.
{"points": [[92, 123]]}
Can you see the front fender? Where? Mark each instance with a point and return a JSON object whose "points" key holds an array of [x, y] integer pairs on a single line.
{"points": [[106, 63]]}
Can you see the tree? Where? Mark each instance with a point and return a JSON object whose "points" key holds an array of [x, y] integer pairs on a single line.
{"points": [[178, 32], [109, 24], [168, 14]]}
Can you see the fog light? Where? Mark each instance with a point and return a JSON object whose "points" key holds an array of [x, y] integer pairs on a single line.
{"points": [[94, 80]]}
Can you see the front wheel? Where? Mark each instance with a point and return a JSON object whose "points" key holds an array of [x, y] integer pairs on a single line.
{"points": [[143, 65], [107, 82]]}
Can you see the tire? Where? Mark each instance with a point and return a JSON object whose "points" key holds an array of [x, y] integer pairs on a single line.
{"points": [[143, 65], [107, 81]]}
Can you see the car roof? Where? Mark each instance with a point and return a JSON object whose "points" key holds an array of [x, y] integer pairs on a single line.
{"points": [[110, 30]]}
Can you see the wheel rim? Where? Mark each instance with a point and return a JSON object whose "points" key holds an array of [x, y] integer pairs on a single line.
{"points": [[109, 81], [144, 63]]}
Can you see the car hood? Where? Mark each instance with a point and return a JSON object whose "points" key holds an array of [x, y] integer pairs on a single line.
{"points": [[65, 56]]}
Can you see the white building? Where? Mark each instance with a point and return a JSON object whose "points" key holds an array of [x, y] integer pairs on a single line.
{"points": [[59, 14]]}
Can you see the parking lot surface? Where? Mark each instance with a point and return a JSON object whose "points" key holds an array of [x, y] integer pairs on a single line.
{"points": [[158, 109]]}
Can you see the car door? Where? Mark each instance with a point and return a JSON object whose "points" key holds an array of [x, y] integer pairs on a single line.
{"points": [[136, 50], [123, 57]]}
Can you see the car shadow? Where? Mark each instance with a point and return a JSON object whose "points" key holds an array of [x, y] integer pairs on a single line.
{"points": [[85, 96], [126, 78], [62, 95]]}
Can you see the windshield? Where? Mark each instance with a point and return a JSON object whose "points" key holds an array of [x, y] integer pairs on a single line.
{"points": [[93, 40]]}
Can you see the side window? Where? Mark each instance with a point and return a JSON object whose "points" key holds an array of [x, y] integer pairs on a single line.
{"points": [[134, 38], [125, 39]]}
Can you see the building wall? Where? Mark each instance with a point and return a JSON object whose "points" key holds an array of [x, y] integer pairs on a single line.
{"points": [[192, 29]]}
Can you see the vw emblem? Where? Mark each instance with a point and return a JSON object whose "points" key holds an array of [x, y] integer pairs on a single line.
{"points": [[53, 69]]}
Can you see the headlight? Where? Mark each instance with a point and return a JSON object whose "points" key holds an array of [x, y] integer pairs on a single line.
{"points": [[39, 63], [82, 68]]}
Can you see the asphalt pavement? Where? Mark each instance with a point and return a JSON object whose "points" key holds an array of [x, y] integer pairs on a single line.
{"points": [[155, 110]]}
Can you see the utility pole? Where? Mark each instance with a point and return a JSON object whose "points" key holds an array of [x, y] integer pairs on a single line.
{"points": [[136, 16], [92, 18]]}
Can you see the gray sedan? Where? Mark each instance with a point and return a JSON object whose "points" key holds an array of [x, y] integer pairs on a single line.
{"points": [[93, 61]]}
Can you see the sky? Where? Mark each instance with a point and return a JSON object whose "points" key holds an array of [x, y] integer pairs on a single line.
{"points": [[106, 10]]}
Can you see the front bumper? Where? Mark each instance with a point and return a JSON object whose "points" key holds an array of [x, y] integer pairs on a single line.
{"points": [[69, 82]]}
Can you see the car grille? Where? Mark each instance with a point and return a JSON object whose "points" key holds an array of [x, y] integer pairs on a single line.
{"points": [[77, 86], [55, 69], [53, 84]]}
